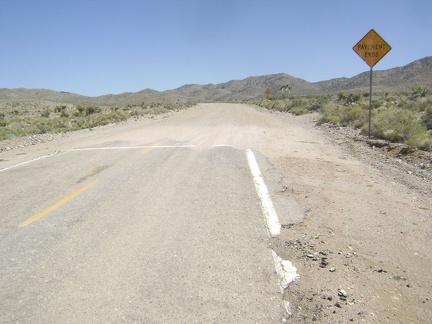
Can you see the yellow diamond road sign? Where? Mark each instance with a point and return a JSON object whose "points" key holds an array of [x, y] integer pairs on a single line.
{"points": [[372, 48]]}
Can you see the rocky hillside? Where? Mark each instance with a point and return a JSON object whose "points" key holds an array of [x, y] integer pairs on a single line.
{"points": [[393, 80], [244, 89]]}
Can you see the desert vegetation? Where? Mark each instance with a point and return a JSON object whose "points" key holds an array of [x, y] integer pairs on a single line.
{"points": [[405, 117], [30, 117]]}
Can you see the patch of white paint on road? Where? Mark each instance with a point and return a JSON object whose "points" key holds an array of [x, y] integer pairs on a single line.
{"points": [[266, 202], [285, 270], [287, 273]]}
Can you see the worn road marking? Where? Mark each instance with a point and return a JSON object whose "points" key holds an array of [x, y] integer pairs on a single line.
{"points": [[284, 269], [148, 149], [129, 147], [266, 202], [26, 162], [57, 204]]}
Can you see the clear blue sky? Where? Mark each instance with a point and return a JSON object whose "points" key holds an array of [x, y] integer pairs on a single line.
{"points": [[95, 47]]}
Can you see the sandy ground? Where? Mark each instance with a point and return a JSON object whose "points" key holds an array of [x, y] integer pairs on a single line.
{"points": [[363, 248]]}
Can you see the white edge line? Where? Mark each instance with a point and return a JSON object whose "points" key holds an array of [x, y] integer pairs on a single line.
{"points": [[266, 202], [285, 270], [26, 162], [93, 149], [128, 147]]}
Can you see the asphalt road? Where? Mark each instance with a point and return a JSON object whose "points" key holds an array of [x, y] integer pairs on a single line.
{"points": [[152, 224]]}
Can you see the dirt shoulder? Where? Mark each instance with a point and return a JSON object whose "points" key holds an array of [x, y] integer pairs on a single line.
{"points": [[363, 249]]}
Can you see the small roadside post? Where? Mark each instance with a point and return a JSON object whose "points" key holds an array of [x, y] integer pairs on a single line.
{"points": [[371, 48]]}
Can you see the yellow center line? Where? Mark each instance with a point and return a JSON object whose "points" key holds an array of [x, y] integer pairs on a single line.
{"points": [[148, 149], [57, 205]]}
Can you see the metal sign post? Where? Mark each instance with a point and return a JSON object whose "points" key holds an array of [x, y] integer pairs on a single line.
{"points": [[370, 102], [371, 48]]}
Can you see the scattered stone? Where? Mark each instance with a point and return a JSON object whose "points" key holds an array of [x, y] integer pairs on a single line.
{"points": [[323, 263], [327, 297], [332, 269], [342, 294]]}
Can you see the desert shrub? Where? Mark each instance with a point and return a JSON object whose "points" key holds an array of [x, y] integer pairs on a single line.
{"points": [[271, 105], [281, 105], [426, 118], [419, 92], [3, 121], [328, 113], [341, 96], [396, 125], [422, 140], [315, 106], [90, 110], [299, 111], [295, 102], [109, 118], [15, 129], [41, 127], [46, 113], [406, 104], [377, 104], [354, 116], [135, 113], [352, 98], [86, 110], [335, 120], [323, 99], [60, 108], [154, 104], [4, 134]]}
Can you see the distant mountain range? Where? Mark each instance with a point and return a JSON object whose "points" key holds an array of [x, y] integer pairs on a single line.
{"points": [[393, 80]]}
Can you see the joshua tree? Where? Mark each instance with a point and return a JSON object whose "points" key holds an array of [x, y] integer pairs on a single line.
{"points": [[285, 90]]}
